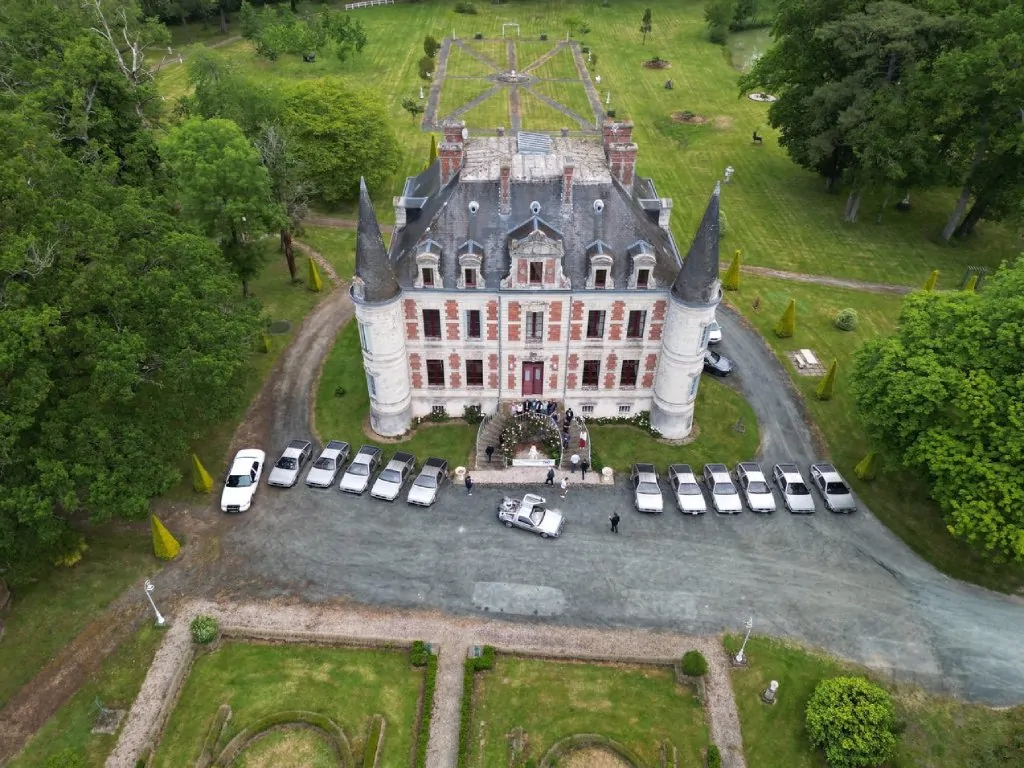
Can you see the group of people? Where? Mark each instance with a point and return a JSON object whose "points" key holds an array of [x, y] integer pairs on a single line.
{"points": [[537, 406]]}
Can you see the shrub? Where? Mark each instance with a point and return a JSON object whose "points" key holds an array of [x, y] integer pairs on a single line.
{"points": [[732, 275], [429, 681], [426, 67], [165, 546], [315, 282], [846, 319], [714, 756], [718, 34], [610, 113], [472, 414], [438, 414], [543, 38], [201, 480], [264, 342], [478, 36], [467, 8], [853, 721], [786, 326], [204, 629], [933, 278], [694, 664], [723, 223], [66, 758], [482, 662], [419, 654], [972, 284], [867, 467], [431, 46], [486, 658], [373, 742], [827, 386]]}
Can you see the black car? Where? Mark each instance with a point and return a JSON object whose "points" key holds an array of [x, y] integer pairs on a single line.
{"points": [[716, 364]]}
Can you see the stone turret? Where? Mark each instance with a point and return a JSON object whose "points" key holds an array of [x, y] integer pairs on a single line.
{"points": [[693, 299], [377, 297]]}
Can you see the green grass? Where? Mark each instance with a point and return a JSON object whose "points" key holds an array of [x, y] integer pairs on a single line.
{"points": [[281, 300], [490, 113], [198, 33], [897, 498], [462, 64], [528, 51], [347, 685], [115, 685], [717, 412], [561, 66], [495, 51], [46, 615], [343, 418], [939, 732], [571, 95], [338, 246], [637, 706], [456, 92], [539, 116]]}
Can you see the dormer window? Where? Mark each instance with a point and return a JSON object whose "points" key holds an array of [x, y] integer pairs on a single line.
{"points": [[428, 264], [428, 277], [600, 273], [471, 259], [642, 261], [600, 278], [469, 277], [536, 272]]}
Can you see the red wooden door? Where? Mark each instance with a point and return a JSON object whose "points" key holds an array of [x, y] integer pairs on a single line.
{"points": [[533, 378]]}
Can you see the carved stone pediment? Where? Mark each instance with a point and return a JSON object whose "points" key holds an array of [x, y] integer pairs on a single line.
{"points": [[536, 245]]}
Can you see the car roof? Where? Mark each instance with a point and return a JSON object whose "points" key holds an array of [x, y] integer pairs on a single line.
{"points": [[300, 444], [749, 466], [716, 468], [789, 469], [336, 445], [242, 465], [396, 462], [403, 457], [648, 468], [435, 462], [827, 471], [368, 450], [680, 469]]}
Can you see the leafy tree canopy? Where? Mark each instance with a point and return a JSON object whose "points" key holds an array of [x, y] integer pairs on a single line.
{"points": [[275, 31], [945, 395], [853, 721]]}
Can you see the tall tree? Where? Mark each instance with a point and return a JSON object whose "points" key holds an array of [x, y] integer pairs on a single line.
{"points": [[646, 24], [224, 189], [944, 395], [288, 186]]}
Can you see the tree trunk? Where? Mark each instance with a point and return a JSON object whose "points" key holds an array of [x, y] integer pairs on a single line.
{"points": [[852, 206], [981, 204], [958, 211], [245, 287], [885, 204], [223, 21], [289, 252], [295, 6]]}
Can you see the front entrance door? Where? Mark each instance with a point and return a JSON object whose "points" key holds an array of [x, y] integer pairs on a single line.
{"points": [[533, 378]]}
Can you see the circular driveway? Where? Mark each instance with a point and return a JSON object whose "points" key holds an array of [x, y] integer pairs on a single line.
{"points": [[841, 582]]}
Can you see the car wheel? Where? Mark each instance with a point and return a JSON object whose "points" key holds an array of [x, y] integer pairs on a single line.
{"points": [[544, 536], [508, 525]]}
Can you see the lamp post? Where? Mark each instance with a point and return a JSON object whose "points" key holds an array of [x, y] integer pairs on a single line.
{"points": [[749, 624], [160, 620]]}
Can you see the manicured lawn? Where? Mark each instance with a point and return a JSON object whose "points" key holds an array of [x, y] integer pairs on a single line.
{"points": [[540, 116], [281, 300], [561, 66], [456, 91], [639, 707], [347, 685], [463, 64], [115, 686], [46, 615], [897, 498], [718, 411], [571, 95], [490, 113], [343, 417], [939, 732], [338, 246]]}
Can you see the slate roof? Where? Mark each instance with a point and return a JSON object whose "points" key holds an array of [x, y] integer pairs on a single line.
{"points": [[697, 282], [372, 264]]}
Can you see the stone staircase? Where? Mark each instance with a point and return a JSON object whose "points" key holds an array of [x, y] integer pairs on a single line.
{"points": [[489, 433], [574, 444]]}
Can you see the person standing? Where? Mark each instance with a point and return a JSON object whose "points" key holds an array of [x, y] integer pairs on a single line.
{"points": [[615, 522], [469, 484], [574, 461], [565, 486], [565, 440], [551, 476], [584, 466], [489, 452]]}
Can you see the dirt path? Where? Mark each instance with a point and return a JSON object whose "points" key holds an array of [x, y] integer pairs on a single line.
{"points": [[453, 636], [834, 282], [173, 62]]}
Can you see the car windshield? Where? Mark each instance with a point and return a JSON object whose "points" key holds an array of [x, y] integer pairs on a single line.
{"points": [[239, 481], [358, 469], [324, 464], [426, 481], [797, 489], [286, 462], [536, 515], [648, 489], [391, 476], [756, 486], [839, 489], [714, 326], [689, 489], [713, 356], [725, 489]]}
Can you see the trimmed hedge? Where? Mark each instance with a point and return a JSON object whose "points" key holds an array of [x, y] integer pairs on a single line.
{"points": [[419, 654], [694, 664], [423, 737], [313, 720], [853, 721], [714, 757], [209, 753], [373, 742], [483, 662], [786, 326], [846, 319], [204, 629], [583, 740]]}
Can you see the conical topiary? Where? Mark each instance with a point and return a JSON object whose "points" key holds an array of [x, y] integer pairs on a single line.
{"points": [[972, 284], [732, 275], [933, 278], [315, 283], [165, 546], [786, 326], [867, 467], [201, 479], [433, 150], [827, 386], [264, 342]]}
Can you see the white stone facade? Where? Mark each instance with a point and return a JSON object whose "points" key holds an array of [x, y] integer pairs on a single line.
{"points": [[386, 366]]}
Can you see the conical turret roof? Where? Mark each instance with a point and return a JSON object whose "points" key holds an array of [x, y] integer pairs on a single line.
{"points": [[373, 267], [697, 281]]}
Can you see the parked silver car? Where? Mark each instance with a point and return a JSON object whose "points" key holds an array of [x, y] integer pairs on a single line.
{"points": [[428, 482], [294, 457], [795, 493], [646, 491], [325, 468], [834, 490], [724, 495], [755, 487], [689, 497], [391, 479], [531, 514], [364, 464]]}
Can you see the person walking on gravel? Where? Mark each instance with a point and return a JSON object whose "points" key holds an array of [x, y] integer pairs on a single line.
{"points": [[565, 486], [615, 522], [551, 476], [469, 484]]}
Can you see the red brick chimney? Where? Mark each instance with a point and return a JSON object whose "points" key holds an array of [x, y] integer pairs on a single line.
{"points": [[620, 151], [452, 151], [567, 173], [505, 191], [617, 133]]}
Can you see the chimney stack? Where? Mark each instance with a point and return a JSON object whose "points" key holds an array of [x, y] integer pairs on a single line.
{"points": [[452, 151], [567, 173], [665, 213], [399, 204], [505, 193], [617, 133]]}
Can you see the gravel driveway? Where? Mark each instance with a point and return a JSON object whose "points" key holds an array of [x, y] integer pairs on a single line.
{"points": [[841, 582]]}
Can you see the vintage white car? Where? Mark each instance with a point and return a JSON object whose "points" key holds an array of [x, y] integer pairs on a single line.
{"points": [[530, 514], [286, 471], [834, 490], [689, 497], [724, 495], [364, 464], [428, 482], [795, 493], [646, 491], [391, 479], [243, 480], [755, 487], [325, 468]]}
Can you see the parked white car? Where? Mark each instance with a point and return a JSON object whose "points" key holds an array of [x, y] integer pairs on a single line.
{"points": [[357, 476], [425, 487], [689, 497], [531, 514], [755, 487], [714, 332], [834, 490], [724, 496], [294, 457], [391, 479], [795, 493], [325, 468], [646, 491], [242, 481]]}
